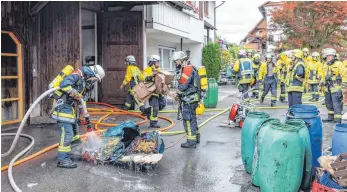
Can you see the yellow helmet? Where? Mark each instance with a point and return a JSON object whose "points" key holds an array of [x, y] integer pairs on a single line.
{"points": [[200, 109], [298, 53], [257, 56]]}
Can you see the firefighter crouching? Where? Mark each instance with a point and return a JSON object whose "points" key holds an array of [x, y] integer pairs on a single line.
{"points": [[133, 76], [244, 70], [189, 97], [64, 104], [296, 78], [268, 75], [314, 73], [331, 80]]}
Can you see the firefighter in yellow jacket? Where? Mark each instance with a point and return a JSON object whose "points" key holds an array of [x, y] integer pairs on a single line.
{"points": [[296, 78], [268, 76], [153, 110], [244, 71], [133, 76], [282, 66], [344, 82], [331, 80], [314, 74], [256, 65]]}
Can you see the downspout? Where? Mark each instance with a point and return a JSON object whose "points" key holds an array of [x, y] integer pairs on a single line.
{"points": [[215, 32]]}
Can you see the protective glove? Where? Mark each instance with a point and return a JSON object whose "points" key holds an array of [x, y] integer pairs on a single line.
{"points": [[89, 128], [75, 94], [149, 78]]}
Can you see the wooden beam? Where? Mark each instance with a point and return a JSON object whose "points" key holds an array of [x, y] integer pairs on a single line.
{"points": [[38, 7], [9, 77], [9, 99], [9, 54]]}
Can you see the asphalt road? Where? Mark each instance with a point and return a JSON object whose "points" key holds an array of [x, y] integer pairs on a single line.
{"points": [[215, 165]]}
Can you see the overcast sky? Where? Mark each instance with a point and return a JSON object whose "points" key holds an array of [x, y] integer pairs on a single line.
{"points": [[235, 18]]}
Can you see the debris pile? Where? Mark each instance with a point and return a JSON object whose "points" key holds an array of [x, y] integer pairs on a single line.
{"points": [[124, 145]]}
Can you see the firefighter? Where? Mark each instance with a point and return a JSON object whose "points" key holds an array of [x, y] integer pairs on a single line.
{"points": [[249, 53], [296, 78], [132, 76], [268, 76], [149, 73], [256, 65], [314, 73], [244, 70], [65, 101], [282, 66], [189, 97], [307, 59], [331, 80], [344, 82]]}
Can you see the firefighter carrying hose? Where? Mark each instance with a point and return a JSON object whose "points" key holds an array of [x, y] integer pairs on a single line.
{"points": [[149, 73], [314, 73], [296, 78], [268, 75], [282, 66], [256, 66], [133, 76], [189, 97], [244, 70], [65, 100], [331, 80]]}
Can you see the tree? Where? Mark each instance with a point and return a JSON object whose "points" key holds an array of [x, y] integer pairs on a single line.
{"points": [[225, 59], [234, 50], [211, 59], [314, 24]]}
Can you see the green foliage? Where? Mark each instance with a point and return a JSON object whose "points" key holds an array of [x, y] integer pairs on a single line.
{"points": [[225, 59], [211, 59], [234, 50]]}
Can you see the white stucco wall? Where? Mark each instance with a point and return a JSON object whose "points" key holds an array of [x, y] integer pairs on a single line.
{"points": [[195, 52], [210, 17]]}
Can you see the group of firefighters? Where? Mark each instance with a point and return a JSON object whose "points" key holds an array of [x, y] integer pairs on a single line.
{"points": [[73, 86], [296, 72]]}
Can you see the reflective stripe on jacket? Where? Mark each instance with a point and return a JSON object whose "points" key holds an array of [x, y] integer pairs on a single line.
{"points": [[296, 77]]}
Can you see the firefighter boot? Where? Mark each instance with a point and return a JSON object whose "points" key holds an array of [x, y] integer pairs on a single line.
{"points": [[154, 124], [262, 99], [68, 164], [189, 144], [198, 138], [329, 119]]}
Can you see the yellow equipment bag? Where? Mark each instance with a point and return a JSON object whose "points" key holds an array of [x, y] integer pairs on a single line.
{"points": [[203, 78], [200, 109], [60, 77]]}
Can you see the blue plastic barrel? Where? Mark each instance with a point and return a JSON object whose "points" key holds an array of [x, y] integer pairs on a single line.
{"points": [[310, 114], [339, 139]]}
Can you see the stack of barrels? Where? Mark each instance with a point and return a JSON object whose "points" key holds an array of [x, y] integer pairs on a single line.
{"points": [[282, 156]]}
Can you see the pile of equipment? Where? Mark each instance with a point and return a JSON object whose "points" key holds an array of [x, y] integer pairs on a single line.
{"points": [[124, 145]]}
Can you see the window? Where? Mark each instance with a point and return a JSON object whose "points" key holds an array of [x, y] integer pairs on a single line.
{"points": [[165, 54], [206, 8]]}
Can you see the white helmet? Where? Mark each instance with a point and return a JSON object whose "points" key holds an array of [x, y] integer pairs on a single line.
{"points": [[289, 53], [98, 71], [242, 52], [315, 54], [130, 59], [155, 58], [179, 55], [269, 56], [328, 51]]}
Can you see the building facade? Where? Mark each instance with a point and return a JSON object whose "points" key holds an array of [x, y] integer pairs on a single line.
{"points": [[40, 38]]}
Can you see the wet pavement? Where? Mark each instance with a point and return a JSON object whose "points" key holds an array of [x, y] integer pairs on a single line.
{"points": [[215, 165]]}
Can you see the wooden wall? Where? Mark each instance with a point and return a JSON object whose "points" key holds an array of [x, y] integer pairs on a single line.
{"points": [[51, 40]]}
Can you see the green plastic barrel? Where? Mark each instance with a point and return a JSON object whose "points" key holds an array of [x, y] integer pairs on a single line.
{"points": [[264, 127], [249, 130], [281, 159], [211, 99], [305, 136]]}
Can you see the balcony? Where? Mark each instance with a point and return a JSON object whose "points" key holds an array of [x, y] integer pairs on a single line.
{"points": [[168, 19]]}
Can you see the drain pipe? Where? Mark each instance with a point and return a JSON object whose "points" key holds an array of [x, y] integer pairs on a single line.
{"points": [[215, 30]]}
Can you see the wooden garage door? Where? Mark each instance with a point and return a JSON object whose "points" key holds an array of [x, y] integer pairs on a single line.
{"points": [[122, 36]]}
